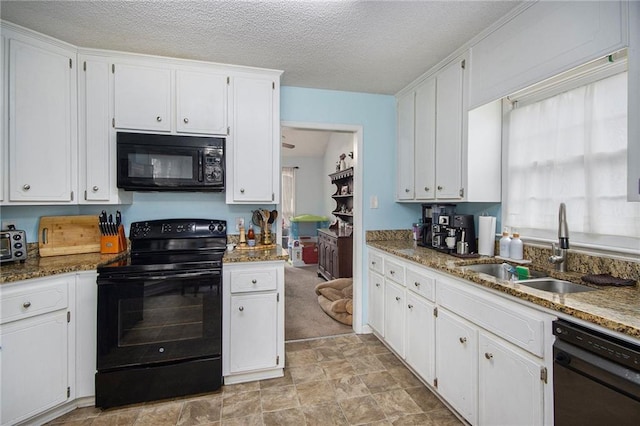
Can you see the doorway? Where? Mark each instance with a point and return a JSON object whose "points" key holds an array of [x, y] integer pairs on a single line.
{"points": [[313, 150]]}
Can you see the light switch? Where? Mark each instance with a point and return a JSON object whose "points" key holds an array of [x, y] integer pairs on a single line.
{"points": [[373, 202]]}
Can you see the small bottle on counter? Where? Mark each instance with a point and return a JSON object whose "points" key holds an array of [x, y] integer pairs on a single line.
{"points": [[251, 236], [515, 248], [505, 244], [417, 230]]}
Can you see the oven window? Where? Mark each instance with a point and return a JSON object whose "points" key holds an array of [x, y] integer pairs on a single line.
{"points": [[160, 166]]}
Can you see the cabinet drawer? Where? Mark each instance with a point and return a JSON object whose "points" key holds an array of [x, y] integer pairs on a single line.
{"points": [[516, 324], [257, 280], [376, 263], [394, 271], [27, 299], [421, 283]]}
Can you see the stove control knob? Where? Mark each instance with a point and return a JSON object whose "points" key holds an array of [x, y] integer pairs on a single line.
{"points": [[220, 227]]}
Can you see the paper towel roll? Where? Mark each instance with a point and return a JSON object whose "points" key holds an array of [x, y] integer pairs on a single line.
{"points": [[486, 235]]}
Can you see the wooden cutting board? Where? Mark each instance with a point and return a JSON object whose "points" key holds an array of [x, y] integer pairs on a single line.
{"points": [[60, 235]]}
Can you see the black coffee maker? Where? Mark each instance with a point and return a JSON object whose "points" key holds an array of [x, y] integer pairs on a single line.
{"points": [[465, 234], [437, 222]]}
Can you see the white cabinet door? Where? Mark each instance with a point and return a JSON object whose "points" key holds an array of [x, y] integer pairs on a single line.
{"points": [[456, 363], [376, 302], [510, 388], [449, 111], [4, 135], [253, 332], [425, 140], [252, 144], [201, 100], [97, 152], [394, 316], [420, 344], [85, 319], [34, 365], [42, 120], [142, 98], [405, 147]]}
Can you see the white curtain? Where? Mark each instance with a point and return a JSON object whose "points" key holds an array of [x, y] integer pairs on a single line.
{"points": [[288, 195], [572, 148]]}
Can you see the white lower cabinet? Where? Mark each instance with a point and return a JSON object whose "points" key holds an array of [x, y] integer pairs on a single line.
{"points": [[35, 336], [394, 316], [86, 314], [510, 390], [420, 336], [456, 363], [253, 321], [376, 302], [487, 356]]}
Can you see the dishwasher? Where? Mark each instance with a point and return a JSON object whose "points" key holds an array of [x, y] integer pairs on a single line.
{"points": [[596, 377]]}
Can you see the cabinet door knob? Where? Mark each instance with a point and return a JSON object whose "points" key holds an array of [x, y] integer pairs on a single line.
{"points": [[26, 187], [427, 189], [186, 120], [373, 262], [397, 299], [158, 119], [463, 340], [488, 355], [242, 190], [407, 190], [95, 188], [417, 284], [241, 308], [377, 284], [410, 306], [26, 305], [439, 188], [253, 281], [392, 272]]}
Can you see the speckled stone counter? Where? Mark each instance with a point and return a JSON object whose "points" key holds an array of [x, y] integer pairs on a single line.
{"points": [[256, 255], [614, 308], [38, 267]]}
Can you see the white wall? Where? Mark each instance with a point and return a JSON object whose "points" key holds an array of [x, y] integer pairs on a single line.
{"points": [[338, 143], [309, 178]]}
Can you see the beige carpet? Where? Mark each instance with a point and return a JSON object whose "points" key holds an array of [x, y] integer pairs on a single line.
{"points": [[303, 317]]}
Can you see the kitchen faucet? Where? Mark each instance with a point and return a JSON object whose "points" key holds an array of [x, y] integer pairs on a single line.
{"points": [[559, 249]]}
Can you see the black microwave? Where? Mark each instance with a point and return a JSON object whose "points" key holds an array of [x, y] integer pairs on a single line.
{"points": [[151, 162]]}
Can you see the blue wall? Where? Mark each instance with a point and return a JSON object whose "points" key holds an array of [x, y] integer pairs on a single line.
{"points": [[375, 113]]}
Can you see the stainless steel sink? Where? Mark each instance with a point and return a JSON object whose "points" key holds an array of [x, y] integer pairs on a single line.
{"points": [[498, 271], [555, 286]]}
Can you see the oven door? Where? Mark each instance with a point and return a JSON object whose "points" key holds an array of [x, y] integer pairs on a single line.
{"points": [[153, 319]]}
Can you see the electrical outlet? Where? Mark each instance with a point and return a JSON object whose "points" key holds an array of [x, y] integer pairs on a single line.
{"points": [[7, 223], [239, 223]]}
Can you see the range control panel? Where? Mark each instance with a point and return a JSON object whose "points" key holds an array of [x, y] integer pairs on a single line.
{"points": [[178, 228]]}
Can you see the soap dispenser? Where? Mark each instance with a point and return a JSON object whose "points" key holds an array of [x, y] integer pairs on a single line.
{"points": [[505, 244], [516, 248]]}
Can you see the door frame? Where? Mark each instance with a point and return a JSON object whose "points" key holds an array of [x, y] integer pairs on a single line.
{"points": [[358, 231]]}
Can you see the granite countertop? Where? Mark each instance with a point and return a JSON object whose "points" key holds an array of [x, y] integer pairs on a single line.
{"points": [[38, 267], [614, 308]]}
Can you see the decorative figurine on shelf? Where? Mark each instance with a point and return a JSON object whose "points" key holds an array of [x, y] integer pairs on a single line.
{"points": [[343, 164], [350, 161]]}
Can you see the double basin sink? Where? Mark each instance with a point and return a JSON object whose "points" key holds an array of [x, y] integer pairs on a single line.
{"points": [[537, 279]]}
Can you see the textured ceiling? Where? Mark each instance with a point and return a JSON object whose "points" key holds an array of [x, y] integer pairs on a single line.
{"points": [[360, 46]]}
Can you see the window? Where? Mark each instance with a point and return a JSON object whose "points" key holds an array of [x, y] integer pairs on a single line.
{"points": [[288, 195], [567, 142]]}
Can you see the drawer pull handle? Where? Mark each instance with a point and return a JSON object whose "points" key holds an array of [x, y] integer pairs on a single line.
{"points": [[410, 306], [158, 119], [397, 298], [377, 284], [186, 121], [440, 188], [373, 262], [463, 340], [392, 272], [254, 281], [26, 187], [417, 284], [241, 308], [488, 355], [95, 188], [26, 305]]}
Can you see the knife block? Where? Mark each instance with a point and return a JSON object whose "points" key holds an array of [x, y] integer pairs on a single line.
{"points": [[111, 244]]}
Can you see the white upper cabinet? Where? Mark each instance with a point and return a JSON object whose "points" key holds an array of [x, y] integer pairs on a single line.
{"points": [[97, 138], [544, 40], [405, 147], [42, 121], [450, 119], [142, 98], [201, 100], [253, 147]]}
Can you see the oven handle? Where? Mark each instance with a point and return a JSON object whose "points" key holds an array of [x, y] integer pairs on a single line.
{"points": [[147, 277]]}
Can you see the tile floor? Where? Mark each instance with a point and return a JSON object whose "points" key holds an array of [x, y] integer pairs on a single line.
{"points": [[343, 380]]}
